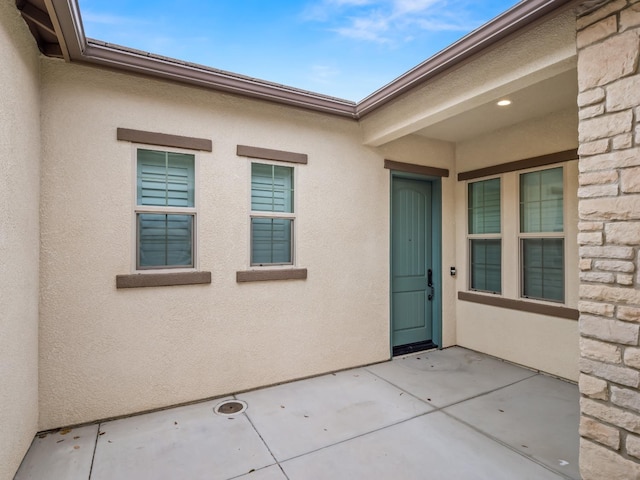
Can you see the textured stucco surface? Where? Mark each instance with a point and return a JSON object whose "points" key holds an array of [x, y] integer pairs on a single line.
{"points": [[107, 352], [545, 343], [19, 196]]}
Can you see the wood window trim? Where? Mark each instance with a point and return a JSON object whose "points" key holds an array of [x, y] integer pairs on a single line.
{"points": [[164, 139], [167, 279], [413, 168], [269, 154], [268, 275], [521, 305], [524, 164]]}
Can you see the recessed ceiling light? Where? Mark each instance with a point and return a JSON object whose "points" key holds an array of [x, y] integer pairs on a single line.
{"points": [[504, 103]]}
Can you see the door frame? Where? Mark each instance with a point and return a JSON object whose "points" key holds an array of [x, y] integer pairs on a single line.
{"points": [[436, 252]]}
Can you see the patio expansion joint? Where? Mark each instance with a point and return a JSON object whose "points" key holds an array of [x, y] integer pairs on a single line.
{"points": [[506, 445], [438, 408], [495, 439], [95, 447], [489, 391], [276, 462], [443, 408], [364, 434], [399, 422]]}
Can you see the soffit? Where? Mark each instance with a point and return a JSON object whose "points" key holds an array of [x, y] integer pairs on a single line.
{"points": [[535, 66], [37, 18], [554, 94]]}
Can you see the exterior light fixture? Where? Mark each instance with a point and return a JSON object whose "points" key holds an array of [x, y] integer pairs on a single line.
{"points": [[504, 103]]}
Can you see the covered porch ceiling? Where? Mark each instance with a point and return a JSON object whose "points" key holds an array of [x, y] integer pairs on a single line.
{"points": [[538, 100], [536, 69]]}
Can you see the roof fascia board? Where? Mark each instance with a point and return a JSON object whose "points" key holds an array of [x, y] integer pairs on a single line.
{"points": [[65, 16], [77, 48], [140, 62], [518, 17], [66, 19]]}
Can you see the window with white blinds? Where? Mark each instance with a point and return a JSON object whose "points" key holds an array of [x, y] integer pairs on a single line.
{"points": [[165, 209], [484, 234], [272, 214]]}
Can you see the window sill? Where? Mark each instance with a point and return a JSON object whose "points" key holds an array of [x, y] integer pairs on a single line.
{"points": [[267, 275], [137, 280], [520, 305]]}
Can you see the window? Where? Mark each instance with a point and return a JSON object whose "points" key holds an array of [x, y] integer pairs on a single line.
{"points": [[165, 210], [485, 244], [542, 234], [272, 214]]}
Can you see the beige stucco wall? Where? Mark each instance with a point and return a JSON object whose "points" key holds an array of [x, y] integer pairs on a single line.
{"points": [[540, 342], [107, 352], [19, 237]]}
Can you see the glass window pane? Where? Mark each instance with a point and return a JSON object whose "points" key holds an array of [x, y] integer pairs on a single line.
{"points": [[486, 265], [271, 188], [165, 240], [530, 187], [165, 179], [484, 206], [541, 201], [271, 240], [543, 268]]}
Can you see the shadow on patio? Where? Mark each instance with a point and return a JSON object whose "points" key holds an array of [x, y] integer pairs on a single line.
{"points": [[450, 414]]}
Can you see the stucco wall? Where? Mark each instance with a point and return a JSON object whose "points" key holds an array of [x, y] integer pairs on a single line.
{"points": [[19, 237], [107, 352], [542, 342]]}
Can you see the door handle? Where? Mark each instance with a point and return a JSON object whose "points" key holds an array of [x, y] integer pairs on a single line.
{"points": [[430, 284]]}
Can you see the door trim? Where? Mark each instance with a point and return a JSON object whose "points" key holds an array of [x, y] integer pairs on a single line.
{"points": [[436, 255]]}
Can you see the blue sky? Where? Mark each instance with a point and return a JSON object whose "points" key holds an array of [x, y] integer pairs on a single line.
{"points": [[344, 48]]}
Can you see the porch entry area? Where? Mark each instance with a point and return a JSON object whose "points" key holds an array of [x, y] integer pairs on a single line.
{"points": [[415, 263], [448, 414]]}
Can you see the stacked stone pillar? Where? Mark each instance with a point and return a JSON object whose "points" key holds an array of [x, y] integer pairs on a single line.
{"points": [[608, 42]]}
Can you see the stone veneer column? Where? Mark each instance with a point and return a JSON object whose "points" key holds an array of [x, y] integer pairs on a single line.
{"points": [[608, 41]]}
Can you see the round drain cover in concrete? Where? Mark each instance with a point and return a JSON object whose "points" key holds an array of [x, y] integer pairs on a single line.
{"points": [[230, 407]]}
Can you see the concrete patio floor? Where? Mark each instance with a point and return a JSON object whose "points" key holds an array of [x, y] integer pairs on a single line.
{"points": [[450, 414]]}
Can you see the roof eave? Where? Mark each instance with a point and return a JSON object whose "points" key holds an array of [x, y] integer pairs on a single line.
{"points": [[76, 47], [184, 72], [520, 16]]}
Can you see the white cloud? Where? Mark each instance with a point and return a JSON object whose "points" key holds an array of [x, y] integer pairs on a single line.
{"points": [[403, 7], [392, 21], [370, 28], [323, 74]]}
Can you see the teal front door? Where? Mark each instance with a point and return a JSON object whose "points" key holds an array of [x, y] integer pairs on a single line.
{"points": [[412, 278]]}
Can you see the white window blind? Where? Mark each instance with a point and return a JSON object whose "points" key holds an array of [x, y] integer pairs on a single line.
{"points": [[541, 234], [165, 209], [272, 216], [485, 244]]}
